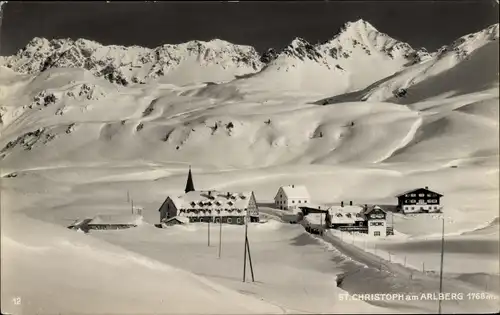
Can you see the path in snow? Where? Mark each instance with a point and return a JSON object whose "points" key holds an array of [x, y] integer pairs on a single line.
{"points": [[381, 276]]}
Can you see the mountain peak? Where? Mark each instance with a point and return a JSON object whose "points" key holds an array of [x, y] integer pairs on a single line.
{"points": [[358, 25]]}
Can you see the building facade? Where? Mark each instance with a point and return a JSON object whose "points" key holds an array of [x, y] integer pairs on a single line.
{"points": [[291, 197], [420, 200], [376, 219], [211, 206]]}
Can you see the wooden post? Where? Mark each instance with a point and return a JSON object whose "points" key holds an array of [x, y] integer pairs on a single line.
{"points": [[208, 225], [245, 253], [250, 259], [220, 235], [441, 268], [132, 203]]}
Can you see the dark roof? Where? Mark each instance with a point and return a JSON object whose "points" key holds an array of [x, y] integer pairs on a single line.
{"points": [[418, 190], [374, 208], [189, 183]]}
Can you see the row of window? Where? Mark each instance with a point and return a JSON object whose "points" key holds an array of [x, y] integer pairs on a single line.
{"points": [[420, 201], [413, 208], [420, 195], [217, 220], [196, 211], [293, 201], [376, 223]]}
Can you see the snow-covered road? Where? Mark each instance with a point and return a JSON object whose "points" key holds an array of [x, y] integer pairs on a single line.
{"points": [[377, 275]]}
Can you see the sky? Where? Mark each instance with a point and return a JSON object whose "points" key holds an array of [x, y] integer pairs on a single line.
{"points": [[262, 24]]}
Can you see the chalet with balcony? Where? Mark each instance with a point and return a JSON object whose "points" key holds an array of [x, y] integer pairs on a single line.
{"points": [[420, 200]]}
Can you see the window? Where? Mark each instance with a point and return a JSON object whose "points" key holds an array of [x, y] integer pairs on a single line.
{"points": [[421, 195], [412, 208], [229, 220], [429, 195], [305, 201], [293, 201], [238, 220], [217, 220], [299, 201], [413, 195], [376, 233]]}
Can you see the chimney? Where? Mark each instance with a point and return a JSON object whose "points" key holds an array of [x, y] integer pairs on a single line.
{"points": [[210, 193], [350, 203], [293, 186], [366, 207], [426, 187], [342, 204], [228, 195]]}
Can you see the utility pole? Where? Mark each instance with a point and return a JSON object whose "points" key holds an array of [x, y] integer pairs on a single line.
{"points": [[247, 248], [245, 253], [132, 203], [441, 268], [220, 235], [128, 196], [208, 228]]}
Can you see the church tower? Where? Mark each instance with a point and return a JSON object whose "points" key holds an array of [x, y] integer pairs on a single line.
{"points": [[189, 183]]}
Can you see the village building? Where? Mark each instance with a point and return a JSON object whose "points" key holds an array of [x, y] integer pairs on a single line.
{"points": [[291, 197], [420, 200], [346, 215], [376, 219], [176, 221], [108, 222], [350, 218], [209, 206]]}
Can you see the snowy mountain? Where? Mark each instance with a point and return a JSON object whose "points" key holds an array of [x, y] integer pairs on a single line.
{"points": [[469, 64], [194, 61], [75, 141], [356, 57]]}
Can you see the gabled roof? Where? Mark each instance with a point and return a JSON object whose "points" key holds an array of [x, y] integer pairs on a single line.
{"points": [[416, 190], [345, 214], [212, 200], [296, 191], [373, 209]]}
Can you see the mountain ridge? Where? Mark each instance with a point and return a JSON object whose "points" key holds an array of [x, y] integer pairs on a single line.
{"points": [[126, 65]]}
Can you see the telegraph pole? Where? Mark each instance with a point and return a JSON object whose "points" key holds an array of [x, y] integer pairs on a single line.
{"points": [[245, 253], [247, 248], [220, 235], [441, 268], [208, 227]]}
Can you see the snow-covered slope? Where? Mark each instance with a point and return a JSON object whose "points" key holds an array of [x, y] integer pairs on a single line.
{"points": [[72, 144], [469, 64], [356, 57], [194, 61], [55, 270]]}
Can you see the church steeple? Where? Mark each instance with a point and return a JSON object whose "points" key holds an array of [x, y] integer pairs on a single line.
{"points": [[189, 183]]}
